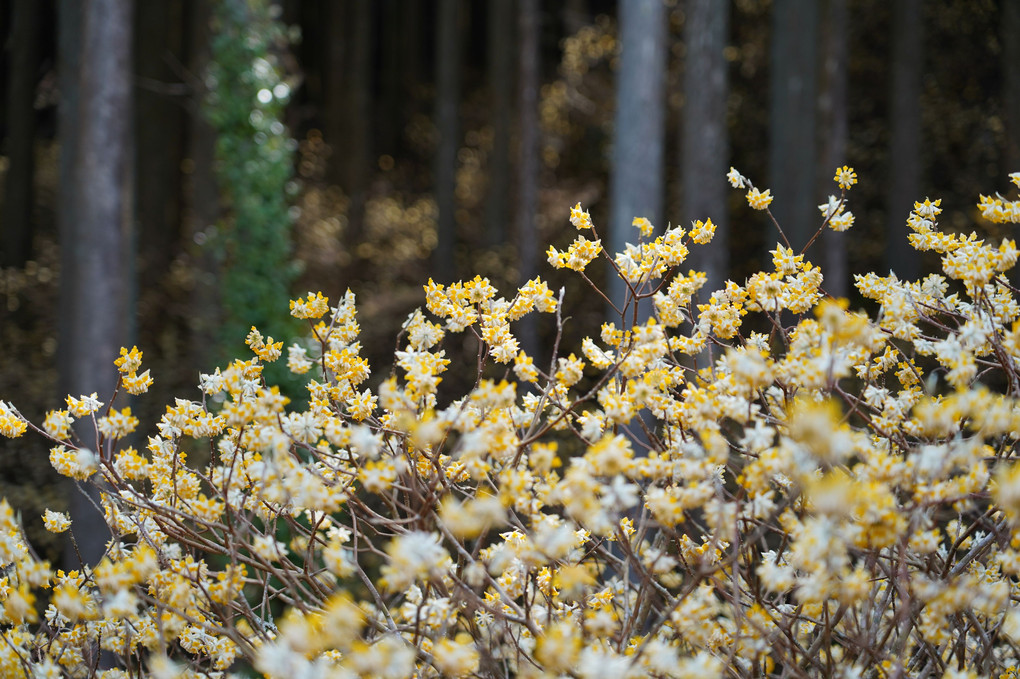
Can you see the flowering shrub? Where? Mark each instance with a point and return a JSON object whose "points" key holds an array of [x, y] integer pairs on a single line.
{"points": [[682, 496]]}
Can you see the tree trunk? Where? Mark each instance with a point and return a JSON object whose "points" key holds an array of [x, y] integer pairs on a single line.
{"points": [[158, 144], [357, 149], [16, 219], [334, 110], [705, 145], [905, 151], [832, 135], [528, 167], [501, 83], [637, 172], [792, 119], [202, 210], [1011, 83], [100, 229], [448, 125], [390, 120]]}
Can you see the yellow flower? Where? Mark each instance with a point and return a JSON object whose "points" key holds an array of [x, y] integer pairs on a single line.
{"points": [[56, 522], [759, 200], [12, 425], [135, 383], [702, 231], [313, 306], [129, 361], [84, 405], [58, 424], [580, 218], [644, 226], [737, 180], [845, 177]]}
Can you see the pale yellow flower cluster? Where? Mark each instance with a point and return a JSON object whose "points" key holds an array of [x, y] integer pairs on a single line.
{"points": [[752, 481]]}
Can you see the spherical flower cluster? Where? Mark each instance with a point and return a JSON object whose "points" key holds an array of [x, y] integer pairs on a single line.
{"points": [[759, 200], [845, 177]]}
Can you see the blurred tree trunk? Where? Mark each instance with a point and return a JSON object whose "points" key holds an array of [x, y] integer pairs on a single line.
{"points": [[448, 48], [94, 243], [335, 86], [158, 138], [637, 171], [412, 56], [202, 193], [390, 118], [501, 83], [1011, 82], [905, 135], [705, 139], [792, 119], [576, 16], [16, 224], [356, 150], [832, 135], [528, 168], [1011, 95]]}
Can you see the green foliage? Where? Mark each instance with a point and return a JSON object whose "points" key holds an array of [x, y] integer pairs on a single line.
{"points": [[254, 167]]}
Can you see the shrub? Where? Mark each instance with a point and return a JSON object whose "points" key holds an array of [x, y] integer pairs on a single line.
{"points": [[835, 495]]}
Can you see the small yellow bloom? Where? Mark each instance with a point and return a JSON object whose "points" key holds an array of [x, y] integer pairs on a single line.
{"points": [[643, 225], [313, 306], [137, 384], [11, 424], [580, 218], [129, 361], [845, 177], [702, 231], [56, 522], [759, 200]]}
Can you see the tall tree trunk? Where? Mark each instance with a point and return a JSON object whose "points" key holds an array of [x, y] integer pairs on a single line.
{"points": [[832, 134], [16, 220], [792, 118], [100, 228], [528, 167], [202, 195], [1011, 82], [501, 83], [357, 148], [158, 143], [905, 123], [637, 172], [335, 86], [448, 124], [705, 138], [390, 119]]}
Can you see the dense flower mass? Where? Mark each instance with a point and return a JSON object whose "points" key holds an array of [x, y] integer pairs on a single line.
{"points": [[751, 481]]}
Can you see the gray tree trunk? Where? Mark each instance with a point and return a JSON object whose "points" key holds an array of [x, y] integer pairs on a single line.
{"points": [[94, 243], [704, 135], [202, 202], [637, 171], [529, 165], [158, 128], [501, 84], [905, 147], [1011, 82], [16, 219], [832, 136], [792, 119], [448, 124], [357, 150]]}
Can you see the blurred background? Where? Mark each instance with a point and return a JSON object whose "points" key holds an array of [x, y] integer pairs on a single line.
{"points": [[173, 171]]}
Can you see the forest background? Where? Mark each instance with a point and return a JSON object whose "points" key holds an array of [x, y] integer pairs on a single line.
{"points": [[172, 172]]}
